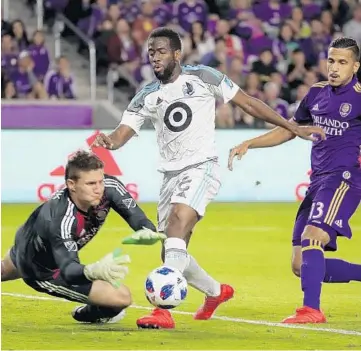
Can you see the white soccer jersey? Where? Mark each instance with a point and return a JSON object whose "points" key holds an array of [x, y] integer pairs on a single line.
{"points": [[183, 114]]}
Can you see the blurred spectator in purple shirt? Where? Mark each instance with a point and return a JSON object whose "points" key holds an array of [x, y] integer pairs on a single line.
{"points": [[163, 13], [40, 54], [25, 81], [310, 9], [20, 35], [218, 56], [188, 11], [129, 10], [9, 55], [59, 83], [272, 12], [285, 44], [272, 99]]}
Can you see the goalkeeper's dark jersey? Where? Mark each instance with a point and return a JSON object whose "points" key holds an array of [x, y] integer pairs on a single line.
{"points": [[49, 241]]}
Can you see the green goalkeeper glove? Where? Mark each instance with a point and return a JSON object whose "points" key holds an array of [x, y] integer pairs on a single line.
{"points": [[144, 236], [111, 268]]}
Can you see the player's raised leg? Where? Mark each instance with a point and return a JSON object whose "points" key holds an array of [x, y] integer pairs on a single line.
{"points": [[103, 303], [183, 202], [331, 210]]}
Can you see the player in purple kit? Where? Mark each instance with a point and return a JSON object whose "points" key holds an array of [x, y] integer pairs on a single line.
{"points": [[335, 190]]}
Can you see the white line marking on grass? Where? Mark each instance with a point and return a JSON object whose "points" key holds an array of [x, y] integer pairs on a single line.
{"points": [[222, 318]]}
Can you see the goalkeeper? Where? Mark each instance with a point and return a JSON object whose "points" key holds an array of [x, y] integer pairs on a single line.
{"points": [[45, 252]]}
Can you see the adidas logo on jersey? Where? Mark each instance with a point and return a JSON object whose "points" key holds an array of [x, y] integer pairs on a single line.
{"points": [[339, 223], [315, 108]]}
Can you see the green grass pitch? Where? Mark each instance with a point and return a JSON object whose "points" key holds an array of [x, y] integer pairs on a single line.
{"points": [[245, 245]]}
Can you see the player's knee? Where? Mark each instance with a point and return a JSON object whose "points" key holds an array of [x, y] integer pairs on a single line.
{"points": [[181, 220], [315, 233], [123, 297]]}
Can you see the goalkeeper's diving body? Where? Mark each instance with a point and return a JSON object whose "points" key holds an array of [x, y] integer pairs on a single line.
{"points": [[45, 252]]}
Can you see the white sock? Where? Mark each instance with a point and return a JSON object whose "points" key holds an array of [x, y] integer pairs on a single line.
{"points": [[198, 278], [176, 255]]}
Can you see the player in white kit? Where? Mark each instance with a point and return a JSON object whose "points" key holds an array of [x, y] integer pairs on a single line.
{"points": [[181, 105]]}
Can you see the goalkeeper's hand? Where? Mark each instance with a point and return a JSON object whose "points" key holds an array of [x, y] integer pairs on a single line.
{"points": [[143, 236], [111, 268]]}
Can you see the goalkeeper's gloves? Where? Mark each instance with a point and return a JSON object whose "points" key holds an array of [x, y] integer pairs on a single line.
{"points": [[111, 268], [144, 236]]}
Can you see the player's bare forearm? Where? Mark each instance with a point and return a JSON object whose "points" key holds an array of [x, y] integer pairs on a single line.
{"points": [[258, 109], [276, 136], [121, 135], [116, 139]]}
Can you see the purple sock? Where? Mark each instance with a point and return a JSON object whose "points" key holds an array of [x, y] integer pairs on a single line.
{"points": [[339, 271], [312, 272]]}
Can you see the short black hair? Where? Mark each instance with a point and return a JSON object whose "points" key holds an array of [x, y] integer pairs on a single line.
{"points": [[347, 43], [173, 36], [82, 161]]}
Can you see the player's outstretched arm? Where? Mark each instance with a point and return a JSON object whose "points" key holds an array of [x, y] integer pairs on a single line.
{"points": [[145, 233], [116, 139], [275, 137], [258, 109]]}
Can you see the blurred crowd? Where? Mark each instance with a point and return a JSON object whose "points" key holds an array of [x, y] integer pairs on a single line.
{"points": [[26, 70], [275, 50]]}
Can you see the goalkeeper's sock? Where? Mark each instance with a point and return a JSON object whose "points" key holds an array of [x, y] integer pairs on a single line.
{"points": [[198, 278], [339, 271], [176, 255]]}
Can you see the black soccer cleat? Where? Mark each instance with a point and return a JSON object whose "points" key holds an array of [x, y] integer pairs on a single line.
{"points": [[96, 315]]}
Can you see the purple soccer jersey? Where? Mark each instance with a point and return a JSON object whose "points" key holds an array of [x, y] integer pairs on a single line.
{"points": [[162, 14], [40, 56], [129, 11], [335, 190], [9, 63], [21, 83], [58, 86], [273, 17], [187, 14]]}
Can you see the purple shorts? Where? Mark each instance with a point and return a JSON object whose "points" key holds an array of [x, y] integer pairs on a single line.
{"points": [[329, 204]]}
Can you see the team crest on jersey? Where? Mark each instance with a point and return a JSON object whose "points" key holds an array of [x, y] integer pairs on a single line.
{"points": [[228, 82], [345, 109], [188, 89]]}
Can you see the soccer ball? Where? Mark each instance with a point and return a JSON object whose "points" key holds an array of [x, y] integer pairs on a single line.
{"points": [[165, 287]]}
